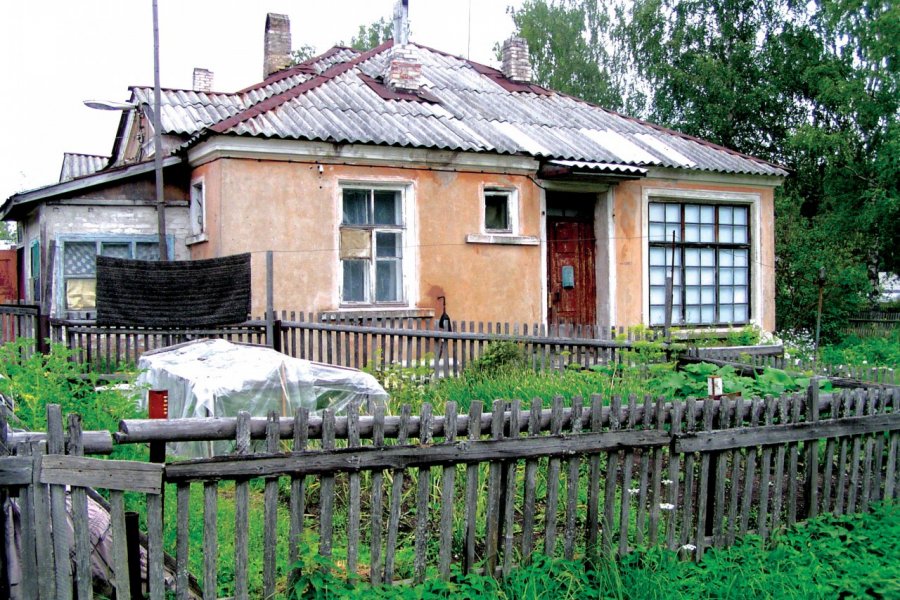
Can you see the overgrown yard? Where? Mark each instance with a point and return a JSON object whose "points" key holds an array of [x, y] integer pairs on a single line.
{"points": [[852, 556], [831, 557]]}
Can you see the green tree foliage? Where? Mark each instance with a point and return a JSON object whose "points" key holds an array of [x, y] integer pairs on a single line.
{"points": [[372, 35], [812, 86]]}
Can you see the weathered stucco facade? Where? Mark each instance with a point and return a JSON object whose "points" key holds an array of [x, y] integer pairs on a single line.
{"points": [[291, 204]]}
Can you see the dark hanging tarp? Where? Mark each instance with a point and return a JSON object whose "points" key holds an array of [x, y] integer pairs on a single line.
{"points": [[193, 293]]}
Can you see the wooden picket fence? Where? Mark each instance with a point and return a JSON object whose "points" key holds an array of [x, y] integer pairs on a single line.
{"points": [[19, 320], [360, 342], [477, 490]]}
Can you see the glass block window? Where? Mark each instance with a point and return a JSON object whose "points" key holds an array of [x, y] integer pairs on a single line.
{"points": [[706, 247], [371, 246], [79, 265]]}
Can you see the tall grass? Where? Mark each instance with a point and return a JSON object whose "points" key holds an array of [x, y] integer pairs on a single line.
{"points": [[851, 556]]}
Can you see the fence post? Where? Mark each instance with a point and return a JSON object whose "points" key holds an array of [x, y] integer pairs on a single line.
{"points": [[811, 487], [4, 562], [270, 301]]}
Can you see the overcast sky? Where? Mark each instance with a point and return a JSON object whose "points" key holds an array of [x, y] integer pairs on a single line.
{"points": [[56, 53]]}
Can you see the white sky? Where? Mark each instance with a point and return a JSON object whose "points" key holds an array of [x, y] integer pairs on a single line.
{"points": [[56, 53]]}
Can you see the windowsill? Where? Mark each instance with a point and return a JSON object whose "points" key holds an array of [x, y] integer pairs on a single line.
{"points": [[502, 239], [196, 239], [378, 312]]}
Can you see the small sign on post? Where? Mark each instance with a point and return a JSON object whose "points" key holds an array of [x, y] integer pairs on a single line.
{"points": [[158, 404], [158, 408], [714, 386]]}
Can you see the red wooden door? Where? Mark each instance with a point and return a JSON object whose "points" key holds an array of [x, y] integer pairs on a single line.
{"points": [[571, 279], [8, 276]]}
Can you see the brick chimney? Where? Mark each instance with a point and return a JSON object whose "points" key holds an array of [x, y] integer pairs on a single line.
{"points": [[404, 71], [277, 47], [203, 80], [516, 62]]}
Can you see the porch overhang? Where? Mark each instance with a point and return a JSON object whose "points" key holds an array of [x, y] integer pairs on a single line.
{"points": [[577, 170]]}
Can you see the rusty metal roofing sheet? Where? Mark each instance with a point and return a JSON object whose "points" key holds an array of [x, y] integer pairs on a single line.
{"points": [[473, 112]]}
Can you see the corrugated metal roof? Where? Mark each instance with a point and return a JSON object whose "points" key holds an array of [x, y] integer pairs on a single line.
{"points": [[78, 165], [327, 99]]}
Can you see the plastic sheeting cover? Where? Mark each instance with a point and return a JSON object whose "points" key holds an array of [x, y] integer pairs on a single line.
{"points": [[216, 378]]}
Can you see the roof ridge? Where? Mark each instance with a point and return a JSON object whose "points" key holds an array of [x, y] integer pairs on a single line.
{"points": [[314, 82], [301, 67], [131, 88]]}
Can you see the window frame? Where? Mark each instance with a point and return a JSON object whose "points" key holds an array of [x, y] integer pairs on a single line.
{"points": [[402, 228], [197, 192], [750, 201], [512, 209]]}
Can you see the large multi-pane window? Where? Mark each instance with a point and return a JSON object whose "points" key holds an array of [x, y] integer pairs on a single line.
{"points": [[80, 265], [372, 246], [707, 248]]}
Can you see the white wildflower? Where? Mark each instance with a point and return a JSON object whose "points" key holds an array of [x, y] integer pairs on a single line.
{"points": [[865, 362], [667, 482], [666, 506], [634, 491], [688, 547]]}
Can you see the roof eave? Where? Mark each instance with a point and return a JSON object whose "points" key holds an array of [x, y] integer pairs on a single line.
{"points": [[20, 201]]}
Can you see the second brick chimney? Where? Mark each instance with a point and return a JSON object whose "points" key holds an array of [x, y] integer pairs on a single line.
{"points": [[203, 80], [516, 62], [277, 45]]}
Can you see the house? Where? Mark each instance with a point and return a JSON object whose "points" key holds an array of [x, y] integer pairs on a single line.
{"points": [[383, 180]]}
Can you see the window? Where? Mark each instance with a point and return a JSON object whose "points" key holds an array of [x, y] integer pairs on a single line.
{"points": [[498, 210], [35, 271], [80, 266], [371, 246], [198, 209], [709, 258]]}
